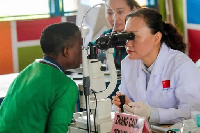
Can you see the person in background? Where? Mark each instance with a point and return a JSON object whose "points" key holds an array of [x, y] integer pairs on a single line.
{"points": [[121, 8], [158, 79], [42, 98]]}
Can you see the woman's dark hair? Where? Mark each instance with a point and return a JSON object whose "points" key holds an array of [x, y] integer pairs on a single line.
{"points": [[153, 19], [132, 3], [56, 37]]}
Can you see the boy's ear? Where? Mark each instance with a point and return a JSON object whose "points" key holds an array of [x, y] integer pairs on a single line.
{"points": [[67, 52]]}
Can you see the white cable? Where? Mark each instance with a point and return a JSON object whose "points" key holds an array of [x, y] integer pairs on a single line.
{"points": [[93, 8], [84, 31]]}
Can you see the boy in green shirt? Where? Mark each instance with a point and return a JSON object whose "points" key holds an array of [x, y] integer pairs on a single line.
{"points": [[42, 98]]}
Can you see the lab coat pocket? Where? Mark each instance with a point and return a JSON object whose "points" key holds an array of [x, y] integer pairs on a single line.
{"points": [[167, 98]]}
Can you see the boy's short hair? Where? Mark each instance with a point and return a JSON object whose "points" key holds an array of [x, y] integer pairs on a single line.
{"points": [[57, 36]]}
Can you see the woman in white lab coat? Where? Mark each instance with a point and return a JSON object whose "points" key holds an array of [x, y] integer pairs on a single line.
{"points": [[158, 79]]}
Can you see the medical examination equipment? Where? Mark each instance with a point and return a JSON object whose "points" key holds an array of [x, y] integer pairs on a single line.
{"points": [[93, 91], [111, 40]]}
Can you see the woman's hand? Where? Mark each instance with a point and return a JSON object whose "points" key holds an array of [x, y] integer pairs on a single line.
{"points": [[116, 101], [138, 108]]}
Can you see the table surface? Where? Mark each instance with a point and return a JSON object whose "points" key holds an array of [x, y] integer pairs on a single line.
{"points": [[5, 81]]}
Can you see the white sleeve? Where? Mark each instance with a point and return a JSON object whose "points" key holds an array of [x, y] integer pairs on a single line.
{"points": [[154, 116], [122, 87]]}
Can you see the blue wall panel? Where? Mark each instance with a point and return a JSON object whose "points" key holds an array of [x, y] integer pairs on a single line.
{"points": [[193, 11]]}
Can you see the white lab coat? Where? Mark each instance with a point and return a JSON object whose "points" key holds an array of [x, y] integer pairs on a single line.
{"points": [[173, 103]]}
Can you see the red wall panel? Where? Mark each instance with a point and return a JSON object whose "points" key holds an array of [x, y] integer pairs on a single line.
{"points": [[194, 44], [31, 29]]}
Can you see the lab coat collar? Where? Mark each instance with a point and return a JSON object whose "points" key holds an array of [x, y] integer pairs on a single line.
{"points": [[160, 60], [158, 66]]}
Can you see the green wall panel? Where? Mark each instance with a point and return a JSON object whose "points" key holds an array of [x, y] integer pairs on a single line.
{"points": [[161, 8], [178, 13], [27, 55]]}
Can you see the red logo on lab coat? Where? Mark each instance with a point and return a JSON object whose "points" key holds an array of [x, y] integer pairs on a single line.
{"points": [[166, 84]]}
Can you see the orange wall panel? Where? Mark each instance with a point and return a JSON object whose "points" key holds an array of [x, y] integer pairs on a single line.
{"points": [[6, 59]]}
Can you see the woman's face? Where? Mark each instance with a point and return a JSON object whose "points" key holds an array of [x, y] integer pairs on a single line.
{"points": [[145, 46], [121, 9]]}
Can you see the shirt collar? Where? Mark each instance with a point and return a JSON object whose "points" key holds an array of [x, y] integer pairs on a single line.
{"points": [[53, 62], [149, 69]]}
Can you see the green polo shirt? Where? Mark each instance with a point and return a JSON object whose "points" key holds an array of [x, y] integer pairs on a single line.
{"points": [[41, 99]]}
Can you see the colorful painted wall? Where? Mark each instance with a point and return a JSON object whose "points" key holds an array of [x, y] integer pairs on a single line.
{"points": [[187, 19], [19, 40], [19, 43], [192, 27]]}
